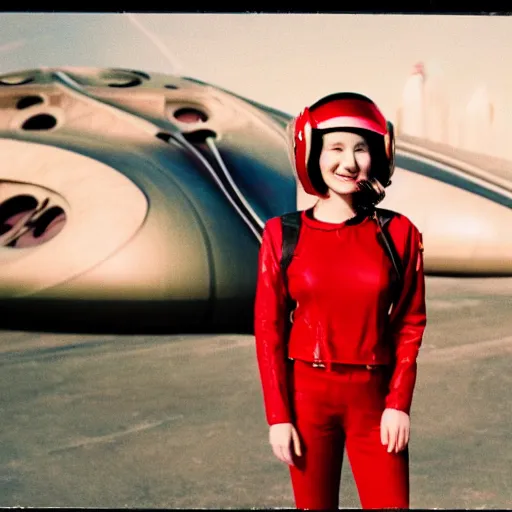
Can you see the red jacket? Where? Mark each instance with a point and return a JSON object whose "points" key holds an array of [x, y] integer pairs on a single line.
{"points": [[340, 278]]}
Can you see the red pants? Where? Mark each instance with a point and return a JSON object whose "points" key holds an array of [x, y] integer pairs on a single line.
{"points": [[337, 409]]}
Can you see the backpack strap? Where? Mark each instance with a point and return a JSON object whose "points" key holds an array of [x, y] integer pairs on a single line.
{"points": [[382, 218], [290, 225]]}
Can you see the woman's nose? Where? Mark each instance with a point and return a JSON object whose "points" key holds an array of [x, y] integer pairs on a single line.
{"points": [[349, 161]]}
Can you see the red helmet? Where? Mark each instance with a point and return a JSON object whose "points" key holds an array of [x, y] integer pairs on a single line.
{"points": [[339, 110]]}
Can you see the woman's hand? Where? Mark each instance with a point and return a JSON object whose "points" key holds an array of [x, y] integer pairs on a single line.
{"points": [[282, 436], [394, 429]]}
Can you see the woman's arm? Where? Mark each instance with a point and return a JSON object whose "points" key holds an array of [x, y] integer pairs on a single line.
{"points": [[408, 323], [269, 323]]}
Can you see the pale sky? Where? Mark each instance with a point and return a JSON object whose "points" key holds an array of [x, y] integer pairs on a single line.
{"points": [[283, 60]]}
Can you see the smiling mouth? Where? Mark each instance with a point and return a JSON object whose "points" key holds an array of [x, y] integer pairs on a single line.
{"points": [[345, 178]]}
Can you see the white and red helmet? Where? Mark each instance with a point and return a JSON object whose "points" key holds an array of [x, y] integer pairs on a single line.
{"points": [[343, 110]]}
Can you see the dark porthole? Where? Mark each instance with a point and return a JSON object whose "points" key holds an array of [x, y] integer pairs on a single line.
{"points": [[40, 122], [190, 115], [28, 101]]}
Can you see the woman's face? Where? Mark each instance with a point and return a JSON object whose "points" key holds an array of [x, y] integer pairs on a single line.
{"points": [[344, 160]]}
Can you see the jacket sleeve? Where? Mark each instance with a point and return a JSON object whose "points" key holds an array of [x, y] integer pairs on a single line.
{"points": [[269, 316], [408, 322]]}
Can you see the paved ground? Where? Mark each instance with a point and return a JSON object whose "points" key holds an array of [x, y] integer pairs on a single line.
{"points": [[177, 421]]}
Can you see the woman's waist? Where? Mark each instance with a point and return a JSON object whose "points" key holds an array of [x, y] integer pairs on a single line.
{"points": [[340, 367], [369, 350], [322, 360]]}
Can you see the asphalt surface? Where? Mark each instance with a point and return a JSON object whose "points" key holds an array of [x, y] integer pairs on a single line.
{"points": [[177, 421]]}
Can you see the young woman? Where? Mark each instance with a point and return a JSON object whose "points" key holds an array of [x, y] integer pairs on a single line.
{"points": [[342, 376]]}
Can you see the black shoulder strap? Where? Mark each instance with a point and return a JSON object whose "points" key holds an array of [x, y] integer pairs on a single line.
{"points": [[290, 223], [383, 217]]}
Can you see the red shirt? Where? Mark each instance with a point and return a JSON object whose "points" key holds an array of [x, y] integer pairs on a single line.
{"points": [[340, 278]]}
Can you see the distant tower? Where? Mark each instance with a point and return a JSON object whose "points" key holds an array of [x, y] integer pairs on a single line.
{"points": [[436, 107], [477, 122], [411, 119]]}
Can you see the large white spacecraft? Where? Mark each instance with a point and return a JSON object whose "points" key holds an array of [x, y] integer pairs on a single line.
{"points": [[131, 200]]}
